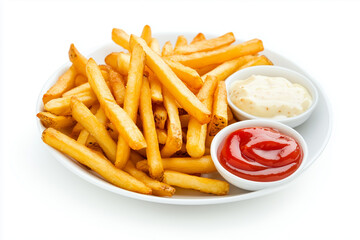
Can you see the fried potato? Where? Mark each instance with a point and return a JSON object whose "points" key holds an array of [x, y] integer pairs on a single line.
{"points": [[259, 60], [65, 82], [54, 121], [219, 118], [174, 136], [79, 89], [170, 81], [78, 60], [161, 135], [80, 79], [160, 116], [198, 37], [146, 34], [122, 121], [93, 160], [180, 42], [121, 38], [152, 151], [206, 45], [201, 184], [167, 49], [123, 63], [112, 60], [155, 85], [131, 100], [158, 188], [187, 165], [117, 86], [201, 59]]}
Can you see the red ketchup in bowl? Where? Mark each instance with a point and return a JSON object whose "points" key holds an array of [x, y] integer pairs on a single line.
{"points": [[260, 154]]}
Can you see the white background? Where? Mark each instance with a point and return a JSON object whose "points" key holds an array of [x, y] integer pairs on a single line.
{"points": [[40, 199]]}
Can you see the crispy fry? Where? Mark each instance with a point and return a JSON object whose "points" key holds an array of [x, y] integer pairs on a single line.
{"points": [[201, 184], [80, 79], [219, 118], [117, 86], [160, 116], [78, 128], [83, 137], [188, 75], [201, 59], [155, 85], [79, 89], [161, 135], [146, 34], [112, 60], [198, 37], [123, 63], [206, 45], [54, 121], [180, 42], [203, 70], [96, 128], [121, 38], [187, 165], [152, 151], [225, 69], [259, 60], [131, 100], [78, 60], [196, 133], [135, 157], [174, 139], [93, 160], [170, 81], [123, 123], [167, 49], [65, 82], [158, 188], [61, 106]]}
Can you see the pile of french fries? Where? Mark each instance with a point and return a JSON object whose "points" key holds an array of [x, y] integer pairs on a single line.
{"points": [[145, 120]]}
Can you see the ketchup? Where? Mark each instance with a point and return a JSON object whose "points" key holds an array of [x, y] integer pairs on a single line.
{"points": [[260, 154]]}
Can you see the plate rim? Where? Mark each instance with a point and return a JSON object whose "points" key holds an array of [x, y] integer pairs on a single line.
{"points": [[174, 201]]}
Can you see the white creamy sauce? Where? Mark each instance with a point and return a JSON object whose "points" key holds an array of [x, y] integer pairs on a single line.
{"points": [[270, 97]]}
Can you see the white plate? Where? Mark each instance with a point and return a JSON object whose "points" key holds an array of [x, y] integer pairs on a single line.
{"points": [[316, 132]]}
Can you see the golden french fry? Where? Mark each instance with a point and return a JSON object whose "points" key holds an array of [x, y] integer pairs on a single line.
{"points": [[160, 116], [201, 59], [180, 42], [79, 89], [206, 45], [135, 157], [158, 188], [152, 151], [131, 100], [54, 121], [78, 60], [112, 60], [219, 118], [61, 106], [201, 184], [93, 160], [188, 75], [96, 128], [167, 49], [198, 37], [121, 38], [146, 34], [122, 121], [196, 133], [259, 60], [227, 68], [65, 82], [203, 70], [80, 79], [117, 85], [161, 135], [230, 114], [187, 165], [170, 81], [155, 85], [174, 136], [83, 137], [123, 63]]}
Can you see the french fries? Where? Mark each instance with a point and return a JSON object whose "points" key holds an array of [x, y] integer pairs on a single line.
{"points": [[206, 45], [201, 59], [63, 84], [123, 123], [93, 160], [171, 82], [131, 101], [201, 184], [145, 121]]}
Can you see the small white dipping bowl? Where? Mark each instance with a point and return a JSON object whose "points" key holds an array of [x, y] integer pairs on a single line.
{"points": [[242, 183], [273, 71]]}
